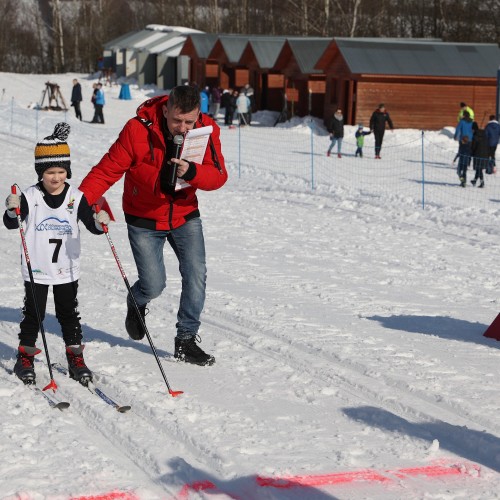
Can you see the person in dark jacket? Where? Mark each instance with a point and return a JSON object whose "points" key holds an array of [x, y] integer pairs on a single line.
{"points": [[464, 153], [76, 98], [492, 131], [156, 212], [479, 151], [228, 102], [336, 130], [378, 121]]}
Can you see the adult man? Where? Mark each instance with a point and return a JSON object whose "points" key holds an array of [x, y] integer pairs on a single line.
{"points": [[377, 125], [493, 134], [463, 108], [76, 98], [155, 211]]}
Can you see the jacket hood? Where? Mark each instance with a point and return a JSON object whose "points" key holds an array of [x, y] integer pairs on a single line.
{"points": [[151, 109]]}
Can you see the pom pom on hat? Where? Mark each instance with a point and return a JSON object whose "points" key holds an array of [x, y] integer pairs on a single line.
{"points": [[53, 151]]}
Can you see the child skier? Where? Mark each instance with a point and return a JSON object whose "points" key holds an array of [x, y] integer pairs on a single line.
{"points": [[51, 209], [360, 140]]}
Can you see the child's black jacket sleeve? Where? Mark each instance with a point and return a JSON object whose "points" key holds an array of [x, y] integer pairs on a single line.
{"points": [[86, 215], [11, 222]]}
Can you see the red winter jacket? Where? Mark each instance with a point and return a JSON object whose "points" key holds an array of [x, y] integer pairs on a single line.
{"points": [[138, 153]]}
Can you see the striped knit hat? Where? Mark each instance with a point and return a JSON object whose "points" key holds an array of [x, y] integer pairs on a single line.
{"points": [[53, 151]]}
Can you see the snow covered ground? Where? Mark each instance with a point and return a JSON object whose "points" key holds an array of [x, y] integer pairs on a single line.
{"points": [[347, 323]]}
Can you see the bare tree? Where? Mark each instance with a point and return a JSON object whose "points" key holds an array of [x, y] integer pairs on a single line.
{"points": [[68, 35], [57, 30], [7, 21]]}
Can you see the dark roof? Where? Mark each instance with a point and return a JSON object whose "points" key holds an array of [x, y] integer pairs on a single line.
{"points": [[419, 58], [203, 43], [266, 50], [233, 46], [307, 52]]}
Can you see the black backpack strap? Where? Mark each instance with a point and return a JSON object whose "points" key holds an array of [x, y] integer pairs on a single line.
{"points": [[147, 124]]}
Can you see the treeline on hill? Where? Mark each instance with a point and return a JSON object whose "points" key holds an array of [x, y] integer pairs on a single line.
{"points": [[52, 36]]}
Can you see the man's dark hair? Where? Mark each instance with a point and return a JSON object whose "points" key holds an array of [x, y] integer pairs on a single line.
{"points": [[185, 98]]}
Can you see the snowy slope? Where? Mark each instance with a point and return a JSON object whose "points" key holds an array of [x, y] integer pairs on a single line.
{"points": [[347, 329]]}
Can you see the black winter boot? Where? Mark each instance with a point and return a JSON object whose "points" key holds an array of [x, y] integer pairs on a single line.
{"points": [[24, 367], [133, 324], [188, 351], [78, 370]]}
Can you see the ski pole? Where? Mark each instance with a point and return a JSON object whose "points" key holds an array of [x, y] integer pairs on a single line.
{"points": [[52, 385], [143, 323]]}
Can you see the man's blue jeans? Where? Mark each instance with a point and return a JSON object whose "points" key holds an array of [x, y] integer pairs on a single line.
{"points": [[189, 246]]}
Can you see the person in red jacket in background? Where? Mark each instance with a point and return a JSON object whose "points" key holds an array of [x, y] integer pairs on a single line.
{"points": [[156, 212]]}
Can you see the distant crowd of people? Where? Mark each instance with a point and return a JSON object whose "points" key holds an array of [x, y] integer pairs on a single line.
{"points": [[234, 104], [477, 146]]}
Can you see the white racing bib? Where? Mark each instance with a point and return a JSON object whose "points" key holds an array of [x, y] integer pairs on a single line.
{"points": [[53, 238]]}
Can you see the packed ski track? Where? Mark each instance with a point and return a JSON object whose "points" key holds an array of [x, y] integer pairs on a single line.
{"points": [[347, 332]]}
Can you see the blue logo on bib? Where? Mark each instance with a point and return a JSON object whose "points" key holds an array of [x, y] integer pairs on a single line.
{"points": [[55, 224]]}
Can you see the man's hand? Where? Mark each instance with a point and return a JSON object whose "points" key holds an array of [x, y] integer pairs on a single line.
{"points": [[182, 166]]}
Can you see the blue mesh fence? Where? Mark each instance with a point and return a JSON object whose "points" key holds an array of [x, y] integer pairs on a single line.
{"points": [[416, 166]]}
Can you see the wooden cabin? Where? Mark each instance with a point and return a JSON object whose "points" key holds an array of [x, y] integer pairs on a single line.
{"points": [[259, 56], [421, 82], [304, 84], [227, 52], [197, 47]]}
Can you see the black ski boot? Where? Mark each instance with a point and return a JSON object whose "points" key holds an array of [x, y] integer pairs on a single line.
{"points": [[24, 367], [133, 324], [188, 351], [76, 364]]}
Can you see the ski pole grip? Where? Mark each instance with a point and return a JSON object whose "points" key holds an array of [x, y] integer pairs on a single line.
{"points": [[97, 210], [14, 191]]}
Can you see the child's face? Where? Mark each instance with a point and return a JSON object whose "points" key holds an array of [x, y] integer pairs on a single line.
{"points": [[53, 179]]}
